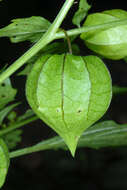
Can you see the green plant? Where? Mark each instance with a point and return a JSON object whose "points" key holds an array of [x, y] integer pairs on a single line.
{"points": [[111, 42], [4, 161], [68, 92], [62, 101]]}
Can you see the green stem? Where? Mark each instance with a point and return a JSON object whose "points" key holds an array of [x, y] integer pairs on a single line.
{"points": [[17, 125], [68, 41], [46, 38], [45, 145], [80, 30]]}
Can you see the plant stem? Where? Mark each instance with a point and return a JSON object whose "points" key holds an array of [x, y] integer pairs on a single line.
{"points": [[80, 30], [44, 145], [50, 36], [46, 38], [68, 41], [17, 125]]}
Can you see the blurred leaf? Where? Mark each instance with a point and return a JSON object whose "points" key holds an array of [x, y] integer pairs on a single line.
{"points": [[105, 134], [3, 68], [26, 70], [102, 134], [81, 13], [22, 29], [5, 111], [13, 138], [7, 93], [26, 115], [125, 59], [12, 116], [12, 135], [119, 90], [4, 161], [17, 123]]}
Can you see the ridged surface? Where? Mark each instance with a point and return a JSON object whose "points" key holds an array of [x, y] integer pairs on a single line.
{"points": [[110, 43], [69, 93]]}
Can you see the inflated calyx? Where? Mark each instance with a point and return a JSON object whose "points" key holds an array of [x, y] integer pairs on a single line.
{"points": [[111, 42], [69, 93]]}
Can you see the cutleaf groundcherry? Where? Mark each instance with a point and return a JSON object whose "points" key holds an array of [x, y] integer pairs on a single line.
{"points": [[69, 93], [111, 42]]}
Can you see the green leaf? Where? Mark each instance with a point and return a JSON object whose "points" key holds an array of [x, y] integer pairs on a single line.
{"points": [[125, 59], [27, 68], [3, 69], [69, 93], [81, 12], [119, 90], [5, 111], [13, 138], [26, 115], [4, 161], [22, 29], [100, 135], [105, 134], [9, 134], [12, 116], [7, 93], [17, 123]]}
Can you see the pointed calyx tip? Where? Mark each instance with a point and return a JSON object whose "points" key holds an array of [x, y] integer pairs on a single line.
{"points": [[72, 144]]}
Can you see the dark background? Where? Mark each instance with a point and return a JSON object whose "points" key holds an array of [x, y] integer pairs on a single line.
{"points": [[104, 169]]}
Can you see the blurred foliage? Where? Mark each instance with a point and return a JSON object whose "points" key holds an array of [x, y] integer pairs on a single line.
{"points": [[22, 29], [13, 138], [7, 93], [81, 13]]}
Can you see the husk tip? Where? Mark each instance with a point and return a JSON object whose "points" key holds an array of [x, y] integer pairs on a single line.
{"points": [[71, 142]]}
